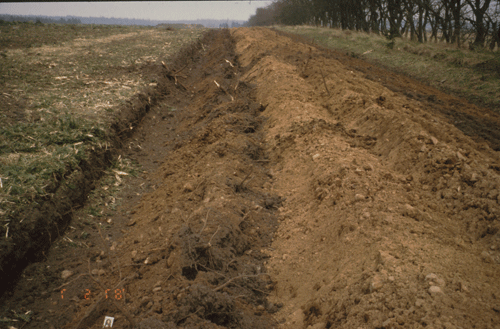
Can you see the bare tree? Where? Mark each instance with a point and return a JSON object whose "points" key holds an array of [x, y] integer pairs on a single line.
{"points": [[479, 8], [373, 12], [447, 18]]}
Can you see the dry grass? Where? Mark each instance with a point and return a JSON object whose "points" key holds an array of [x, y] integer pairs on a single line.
{"points": [[474, 75], [60, 86]]}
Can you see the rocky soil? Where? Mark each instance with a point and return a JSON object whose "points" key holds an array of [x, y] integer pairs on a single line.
{"points": [[288, 186]]}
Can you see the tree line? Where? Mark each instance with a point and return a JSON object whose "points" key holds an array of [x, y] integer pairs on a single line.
{"points": [[423, 20]]}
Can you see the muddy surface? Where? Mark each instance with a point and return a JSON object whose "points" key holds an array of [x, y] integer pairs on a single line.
{"points": [[282, 188]]}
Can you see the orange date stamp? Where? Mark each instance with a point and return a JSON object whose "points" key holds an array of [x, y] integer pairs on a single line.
{"points": [[117, 294]]}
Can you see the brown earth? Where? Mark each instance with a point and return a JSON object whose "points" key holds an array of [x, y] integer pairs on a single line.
{"points": [[285, 189]]}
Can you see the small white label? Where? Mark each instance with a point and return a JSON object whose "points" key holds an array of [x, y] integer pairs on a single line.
{"points": [[108, 322]]}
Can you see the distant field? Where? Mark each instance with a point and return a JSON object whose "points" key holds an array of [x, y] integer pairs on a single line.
{"points": [[474, 75], [60, 86]]}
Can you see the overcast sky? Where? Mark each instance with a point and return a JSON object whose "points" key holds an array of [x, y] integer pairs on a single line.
{"points": [[154, 10]]}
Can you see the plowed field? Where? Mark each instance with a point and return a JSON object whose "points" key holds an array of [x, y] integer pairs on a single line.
{"points": [[289, 186]]}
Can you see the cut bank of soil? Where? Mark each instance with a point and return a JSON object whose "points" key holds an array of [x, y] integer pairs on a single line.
{"points": [[294, 193]]}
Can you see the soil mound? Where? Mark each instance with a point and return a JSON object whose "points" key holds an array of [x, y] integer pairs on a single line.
{"points": [[391, 213]]}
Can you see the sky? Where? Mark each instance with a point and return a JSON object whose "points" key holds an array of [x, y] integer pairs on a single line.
{"points": [[154, 10]]}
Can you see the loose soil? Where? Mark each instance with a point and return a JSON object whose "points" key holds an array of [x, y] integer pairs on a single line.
{"points": [[282, 188]]}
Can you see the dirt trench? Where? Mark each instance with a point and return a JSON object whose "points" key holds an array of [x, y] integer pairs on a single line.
{"points": [[189, 254], [285, 190]]}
